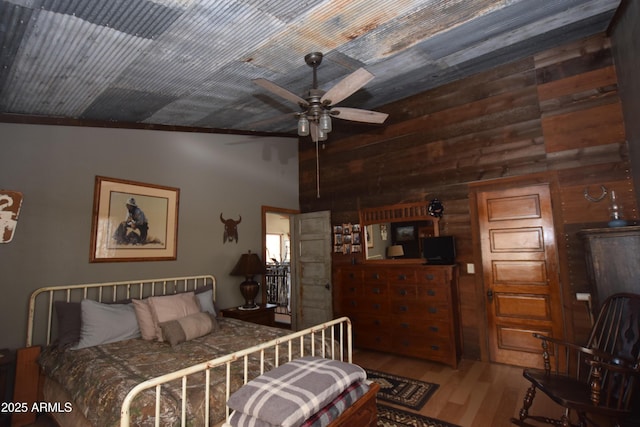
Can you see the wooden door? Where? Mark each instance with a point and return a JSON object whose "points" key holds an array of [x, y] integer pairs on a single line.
{"points": [[311, 293], [520, 272]]}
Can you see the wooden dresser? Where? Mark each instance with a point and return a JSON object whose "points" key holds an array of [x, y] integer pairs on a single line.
{"points": [[407, 309]]}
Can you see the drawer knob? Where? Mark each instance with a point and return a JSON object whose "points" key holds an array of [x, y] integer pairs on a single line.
{"points": [[432, 310], [376, 276], [434, 328], [404, 325], [404, 308], [402, 292], [402, 277], [376, 306], [430, 276], [431, 293], [376, 290], [435, 347]]}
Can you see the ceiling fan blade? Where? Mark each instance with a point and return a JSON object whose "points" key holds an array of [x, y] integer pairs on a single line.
{"points": [[347, 86], [358, 115], [280, 91]]}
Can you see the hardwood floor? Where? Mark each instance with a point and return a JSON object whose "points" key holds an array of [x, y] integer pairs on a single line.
{"points": [[477, 394]]}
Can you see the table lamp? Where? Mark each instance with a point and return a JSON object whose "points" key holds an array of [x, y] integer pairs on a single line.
{"points": [[248, 266], [395, 251]]}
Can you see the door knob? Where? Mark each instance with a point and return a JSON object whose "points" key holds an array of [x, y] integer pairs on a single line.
{"points": [[490, 295], [327, 286]]}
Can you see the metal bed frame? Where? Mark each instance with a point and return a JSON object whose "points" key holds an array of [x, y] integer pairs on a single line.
{"points": [[42, 300]]}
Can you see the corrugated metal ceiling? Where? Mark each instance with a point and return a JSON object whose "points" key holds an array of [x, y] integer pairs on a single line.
{"points": [[191, 62]]}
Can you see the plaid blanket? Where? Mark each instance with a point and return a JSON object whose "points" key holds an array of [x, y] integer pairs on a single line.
{"points": [[333, 410], [291, 393]]}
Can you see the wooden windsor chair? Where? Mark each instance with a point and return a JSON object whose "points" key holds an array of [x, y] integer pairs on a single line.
{"points": [[596, 384]]}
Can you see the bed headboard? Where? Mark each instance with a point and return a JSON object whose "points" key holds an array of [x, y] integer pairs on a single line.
{"points": [[41, 303]]}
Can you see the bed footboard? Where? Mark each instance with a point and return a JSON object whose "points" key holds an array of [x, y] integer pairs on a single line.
{"points": [[298, 344]]}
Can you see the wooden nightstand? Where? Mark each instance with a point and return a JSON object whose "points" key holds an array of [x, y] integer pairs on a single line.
{"points": [[263, 315]]}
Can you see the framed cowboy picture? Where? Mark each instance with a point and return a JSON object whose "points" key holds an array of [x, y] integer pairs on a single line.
{"points": [[133, 221]]}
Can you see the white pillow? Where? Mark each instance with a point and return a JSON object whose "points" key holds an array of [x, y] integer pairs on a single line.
{"points": [[105, 323], [171, 307]]}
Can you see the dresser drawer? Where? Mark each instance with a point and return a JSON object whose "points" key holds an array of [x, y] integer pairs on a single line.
{"points": [[420, 346], [408, 307], [430, 329], [408, 291], [373, 305], [437, 311], [433, 292], [433, 275], [375, 340], [375, 290], [350, 290], [375, 276], [350, 305], [371, 323], [397, 275], [351, 276]]}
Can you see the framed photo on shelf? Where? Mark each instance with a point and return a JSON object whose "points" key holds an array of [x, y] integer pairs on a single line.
{"points": [[133, 221]]}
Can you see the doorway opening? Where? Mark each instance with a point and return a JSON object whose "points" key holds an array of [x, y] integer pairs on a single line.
{"points": [[276, 233]]}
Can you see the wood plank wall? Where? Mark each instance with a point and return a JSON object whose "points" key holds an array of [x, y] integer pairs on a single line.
{"points": [[557, 112]]}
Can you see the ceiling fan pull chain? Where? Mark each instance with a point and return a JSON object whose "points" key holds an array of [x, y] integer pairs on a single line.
{"points": [[317, 171]]}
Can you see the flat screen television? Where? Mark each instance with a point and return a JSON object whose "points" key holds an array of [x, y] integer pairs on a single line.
{"points": [[439, 250]]}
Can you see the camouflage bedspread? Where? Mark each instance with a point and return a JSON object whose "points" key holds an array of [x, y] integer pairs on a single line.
{"points": [[98, 378]]}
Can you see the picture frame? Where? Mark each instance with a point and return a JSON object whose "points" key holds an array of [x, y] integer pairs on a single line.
{"points": [[133, 221]]}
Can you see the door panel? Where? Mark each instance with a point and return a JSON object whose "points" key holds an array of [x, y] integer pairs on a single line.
{"points": [[522, 306], [312, 287], [520, 272], [523, 272], [517, 240]]}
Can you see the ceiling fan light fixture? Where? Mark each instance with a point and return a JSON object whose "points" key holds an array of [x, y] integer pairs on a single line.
{"points": [[325, 122], [322, 135], [303, 125]]}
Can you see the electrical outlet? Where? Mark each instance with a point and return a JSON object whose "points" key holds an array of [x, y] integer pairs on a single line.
{"points": [[471, 269], [583, 296]]}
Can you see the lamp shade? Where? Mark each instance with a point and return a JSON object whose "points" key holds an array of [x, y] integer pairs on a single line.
{"points": [[248, 265], [395, 251]]}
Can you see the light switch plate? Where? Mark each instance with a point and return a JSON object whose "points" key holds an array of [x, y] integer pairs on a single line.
{"points": [[471, 269], [583, 296]]}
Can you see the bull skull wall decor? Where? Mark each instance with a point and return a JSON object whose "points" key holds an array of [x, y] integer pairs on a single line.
{"points": [[230, 229]]}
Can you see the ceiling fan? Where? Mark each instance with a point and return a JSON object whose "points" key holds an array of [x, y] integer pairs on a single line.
{"points": [[318, 106]]}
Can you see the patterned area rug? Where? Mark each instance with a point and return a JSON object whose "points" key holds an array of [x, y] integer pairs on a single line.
{"points": [[392, 417], [407, 392]]}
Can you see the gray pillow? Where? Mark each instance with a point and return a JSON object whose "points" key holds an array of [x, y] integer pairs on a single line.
{"points": [[187, 328], [69, 318], [205, 300], [105, 323]]}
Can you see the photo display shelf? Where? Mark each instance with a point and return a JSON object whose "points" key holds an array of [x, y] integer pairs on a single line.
{"points": [[347, 238]]}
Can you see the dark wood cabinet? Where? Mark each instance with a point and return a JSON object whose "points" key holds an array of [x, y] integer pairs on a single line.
{"points": [[613, 260], [409, 309], [7, 368]]}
